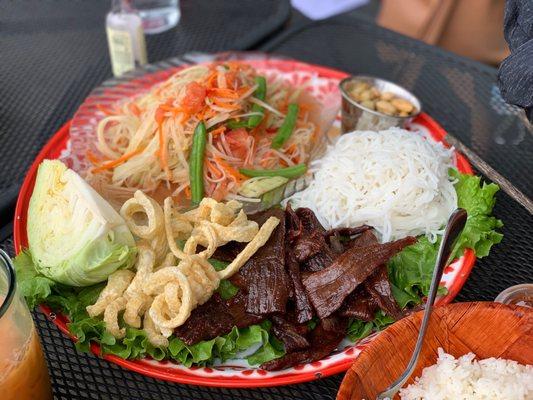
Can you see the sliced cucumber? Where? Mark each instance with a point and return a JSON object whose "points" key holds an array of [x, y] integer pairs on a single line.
{"points": [[256, 187]]}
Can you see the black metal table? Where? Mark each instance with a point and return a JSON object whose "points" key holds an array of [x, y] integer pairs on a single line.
{"points": [[459, 94]]}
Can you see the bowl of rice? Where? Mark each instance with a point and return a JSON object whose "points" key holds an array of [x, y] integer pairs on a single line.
{"points": [[471, 351]]}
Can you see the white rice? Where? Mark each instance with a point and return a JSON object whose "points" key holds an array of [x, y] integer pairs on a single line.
{"points": [[394, 180], [466, 378]]}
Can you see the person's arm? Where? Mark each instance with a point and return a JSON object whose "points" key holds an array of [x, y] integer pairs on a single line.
{"points": [[515, 76]]}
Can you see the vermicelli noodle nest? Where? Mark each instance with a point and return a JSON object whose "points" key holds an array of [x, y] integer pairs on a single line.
{"points": [[394, 180]]}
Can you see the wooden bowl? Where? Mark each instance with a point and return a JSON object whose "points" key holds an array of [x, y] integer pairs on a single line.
{"points": [[486, 329]]}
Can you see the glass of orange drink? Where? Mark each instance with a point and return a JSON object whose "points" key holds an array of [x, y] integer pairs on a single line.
{"points": [[23, 372]]}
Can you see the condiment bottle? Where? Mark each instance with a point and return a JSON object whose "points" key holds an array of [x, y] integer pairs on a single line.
{"points": [[125, 37]]}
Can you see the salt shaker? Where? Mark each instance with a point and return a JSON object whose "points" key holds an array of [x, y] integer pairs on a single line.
{"points": [[125, 37]]}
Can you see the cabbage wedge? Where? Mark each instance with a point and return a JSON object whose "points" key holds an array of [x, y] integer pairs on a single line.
{"points": [[75, 236]]}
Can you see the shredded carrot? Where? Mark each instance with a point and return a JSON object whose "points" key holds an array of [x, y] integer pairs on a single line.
{"points": [[224, 93], [187, 192], [206, 113], [134, 109], [292, 148], [162, 152], [93, 158], [219, 130], [305, 106], [220, 192], [227, 106], [264, 160], [214, 170], [211, 79], [200, 115], [290, 152], [236, 175], [184, 117], [284, 104], [236, 65], [167, 107], [242, 90], [118, 161]]}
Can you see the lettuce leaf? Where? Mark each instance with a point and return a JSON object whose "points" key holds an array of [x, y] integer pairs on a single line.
{"points": [[410, 270], [226, 289], [478, 200], [33, 286], [229, 346], [358, 329], [476, 197]]}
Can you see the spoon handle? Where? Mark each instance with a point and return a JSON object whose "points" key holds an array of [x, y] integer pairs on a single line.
{"points": [[455, 225]]}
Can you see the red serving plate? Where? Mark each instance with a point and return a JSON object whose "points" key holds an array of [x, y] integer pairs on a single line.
{"points": [[231, 375]]}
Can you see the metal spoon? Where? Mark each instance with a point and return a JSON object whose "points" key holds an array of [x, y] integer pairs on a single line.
{"points": [[455, 225]]}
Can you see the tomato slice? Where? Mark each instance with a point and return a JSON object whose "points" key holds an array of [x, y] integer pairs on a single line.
{"points": [[238, 141], [194, 99]]}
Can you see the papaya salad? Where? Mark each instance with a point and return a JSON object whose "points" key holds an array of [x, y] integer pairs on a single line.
{"points": [[221, 130]]}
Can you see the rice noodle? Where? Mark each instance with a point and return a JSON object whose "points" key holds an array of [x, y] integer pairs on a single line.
{"points": [[394, 180]]}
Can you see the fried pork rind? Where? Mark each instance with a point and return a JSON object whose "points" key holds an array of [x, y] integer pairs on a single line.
{"points": [[137, 301], [163, 293], [111, 317], [117, 283], [177, 227], [152, 333], [173, 300], [257, 242], [153, 231], [169, 261]]}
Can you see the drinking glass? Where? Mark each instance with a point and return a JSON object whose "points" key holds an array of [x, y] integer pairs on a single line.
{"points": [[157, 15], [23, 372]]}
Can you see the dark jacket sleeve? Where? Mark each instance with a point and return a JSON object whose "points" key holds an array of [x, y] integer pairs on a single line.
{"points": [[515, 76]]}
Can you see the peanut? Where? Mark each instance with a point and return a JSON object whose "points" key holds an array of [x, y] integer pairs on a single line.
{"points": [[385, 107], [387, 96], [369, 104], [403, 105]]}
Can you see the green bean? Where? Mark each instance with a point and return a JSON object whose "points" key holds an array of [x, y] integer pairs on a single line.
{"points": [[196, 163], [232, 124], [287, 127], [260, 94], [254, 120], [289, 172]]}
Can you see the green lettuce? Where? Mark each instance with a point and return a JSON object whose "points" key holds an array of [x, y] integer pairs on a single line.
{"points": [[358, 329], [229, 346], [34, 287], [73, 302], [226, 289], [410, 270]]}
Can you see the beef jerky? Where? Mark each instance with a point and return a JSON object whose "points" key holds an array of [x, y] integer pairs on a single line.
{"points": [[323, 340], [290, 334], [216, 317], [360, 305], [328, 288], [267, 284]]}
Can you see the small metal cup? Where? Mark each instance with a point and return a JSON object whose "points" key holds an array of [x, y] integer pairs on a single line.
{"points": [[357, 117]]}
